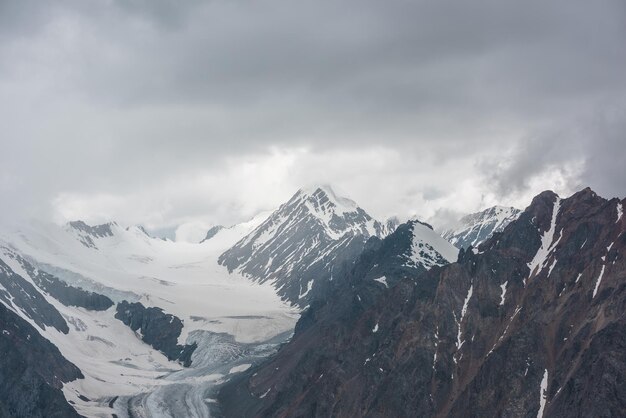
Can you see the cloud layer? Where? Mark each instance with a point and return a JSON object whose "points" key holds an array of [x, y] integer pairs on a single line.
{"points": [[160, 113]]}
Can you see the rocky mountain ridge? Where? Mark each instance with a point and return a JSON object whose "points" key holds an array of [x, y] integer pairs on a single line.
{"points": [[531, 323]]}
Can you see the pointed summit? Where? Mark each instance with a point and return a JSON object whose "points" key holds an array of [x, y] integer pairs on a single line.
{"points": [[301, 243], [324, 197]]}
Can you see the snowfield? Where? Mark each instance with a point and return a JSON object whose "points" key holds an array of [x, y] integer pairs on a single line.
{"points": [[226, 314]]}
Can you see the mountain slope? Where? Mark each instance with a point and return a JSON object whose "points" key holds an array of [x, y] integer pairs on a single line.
{"points": [[32, 371], [127, 311], [307, 241], [531, 324], [477, 227]]}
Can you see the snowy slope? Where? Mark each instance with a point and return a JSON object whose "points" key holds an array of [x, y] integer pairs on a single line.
{"points": [[476, 227], [182, 278], [199, 231], [429, 248], [126, 264]]}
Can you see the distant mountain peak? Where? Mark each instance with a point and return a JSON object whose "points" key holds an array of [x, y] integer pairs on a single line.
{"points": [[302, 240], [474, 228], [338, 215], [87, 233], [139, 228], [212, 232], [323, 199], [96, 230]]}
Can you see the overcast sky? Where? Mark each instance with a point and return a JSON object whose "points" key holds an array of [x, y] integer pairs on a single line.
{"points": [[165, 112]]}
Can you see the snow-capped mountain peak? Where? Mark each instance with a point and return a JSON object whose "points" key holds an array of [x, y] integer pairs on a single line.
{"points": [[324, 200], [476, 227], [88, 235], [139, 229], [336, 216], [302, 239], [97, 231]]}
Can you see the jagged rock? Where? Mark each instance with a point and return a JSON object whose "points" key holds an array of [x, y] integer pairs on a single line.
{"points": [[66, 294], [212, 232], [16, 291], [156, 328], [87, 233]]}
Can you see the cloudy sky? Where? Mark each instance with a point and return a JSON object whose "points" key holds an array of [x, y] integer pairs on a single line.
{"points": [[164, 112]]}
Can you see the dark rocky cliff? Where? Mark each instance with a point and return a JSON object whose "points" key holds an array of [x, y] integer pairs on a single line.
{"points": [[157, 328], [32, 372], [530, 324], [16, 291]]}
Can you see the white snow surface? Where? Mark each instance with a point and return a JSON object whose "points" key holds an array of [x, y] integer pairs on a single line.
{"points": [[183, 279], [502, 296], [466, 301], [309, 286], [595, 290], [427, 245], [543, 394], [459, 342], [547, 242], [382, 280], [620, 212], [240, 368]]}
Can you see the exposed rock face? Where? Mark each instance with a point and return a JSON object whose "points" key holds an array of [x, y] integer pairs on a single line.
{"points": [[312, 238], [139, 228], [28, 298], [87, 233], [157, 328], [32, 372], [475, 228], [66, 294], [16, 291], [212, 232], [531, 325]]}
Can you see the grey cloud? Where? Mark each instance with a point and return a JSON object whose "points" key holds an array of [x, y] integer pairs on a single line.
{"points": [[597, 141], [112, 97]]}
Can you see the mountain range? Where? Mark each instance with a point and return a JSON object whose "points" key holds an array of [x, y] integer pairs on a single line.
{"points": [[506, 313]]}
